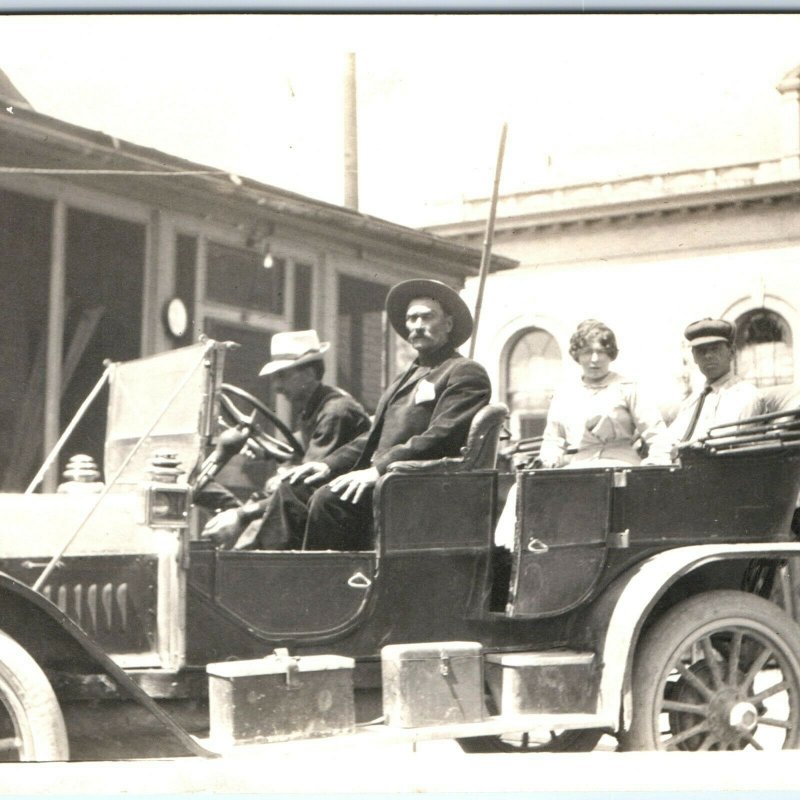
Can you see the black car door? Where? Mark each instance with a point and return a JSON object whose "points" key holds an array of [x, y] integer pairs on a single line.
{"points": [[560, 543]]}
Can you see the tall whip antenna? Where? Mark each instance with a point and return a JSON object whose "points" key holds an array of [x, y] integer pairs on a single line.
{"points": [[486, 255]]}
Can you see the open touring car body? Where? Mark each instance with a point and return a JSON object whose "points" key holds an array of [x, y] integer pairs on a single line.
{"points": [[137, 605]]}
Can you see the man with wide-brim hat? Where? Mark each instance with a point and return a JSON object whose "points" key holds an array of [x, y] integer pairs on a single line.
{"points": [[291, 349], [424, 414], [328, 417], [725, 397], [399, 297]]}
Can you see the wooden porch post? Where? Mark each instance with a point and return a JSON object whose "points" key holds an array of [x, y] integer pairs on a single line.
{"points": [[55, 338]]}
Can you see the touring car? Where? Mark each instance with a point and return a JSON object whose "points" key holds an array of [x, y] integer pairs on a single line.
{"points": [[654, 603]]}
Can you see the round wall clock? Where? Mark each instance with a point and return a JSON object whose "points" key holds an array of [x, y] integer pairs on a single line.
{"points": [[176, 317]]}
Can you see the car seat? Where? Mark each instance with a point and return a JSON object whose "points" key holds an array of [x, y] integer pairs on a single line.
{"points": [[479, 452]]}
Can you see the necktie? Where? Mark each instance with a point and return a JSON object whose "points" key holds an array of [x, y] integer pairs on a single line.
{"points": [[696, 415]]}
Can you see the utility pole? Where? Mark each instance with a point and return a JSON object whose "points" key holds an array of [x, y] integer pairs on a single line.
{"points": [[350, 134]]}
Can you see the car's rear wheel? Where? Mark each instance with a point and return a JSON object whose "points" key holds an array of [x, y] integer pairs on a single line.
{"points": [[720, 671], [31, 724], [580, 741]]}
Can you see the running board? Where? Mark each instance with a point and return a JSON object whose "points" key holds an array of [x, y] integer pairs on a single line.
{"points": [[377, 732]]}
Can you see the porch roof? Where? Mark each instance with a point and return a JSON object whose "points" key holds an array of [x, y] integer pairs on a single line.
{"points": [[33, 141]]}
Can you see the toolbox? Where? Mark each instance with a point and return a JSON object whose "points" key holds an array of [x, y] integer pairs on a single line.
{"points": [[435, 683], [542, 682], [278, 698]]}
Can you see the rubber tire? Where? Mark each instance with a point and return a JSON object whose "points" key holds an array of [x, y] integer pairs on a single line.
{"points": [[578, 741], [28, 698], [677, 624]]}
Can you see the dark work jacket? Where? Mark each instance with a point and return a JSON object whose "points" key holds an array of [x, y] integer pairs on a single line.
{"points": [[424, 414], [331, 418]]}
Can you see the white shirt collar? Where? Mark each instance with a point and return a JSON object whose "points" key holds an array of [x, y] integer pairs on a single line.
{"points": [[723, 382]]}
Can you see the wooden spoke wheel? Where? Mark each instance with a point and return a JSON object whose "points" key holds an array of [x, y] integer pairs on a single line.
{"points": [[720, 671]]}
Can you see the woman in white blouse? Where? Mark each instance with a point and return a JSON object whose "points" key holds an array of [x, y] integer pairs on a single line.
{"points": [[596, 422]]}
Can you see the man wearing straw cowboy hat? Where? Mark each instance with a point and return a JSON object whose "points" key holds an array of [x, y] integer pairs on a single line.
{"points": [[424, 414], [329, 418]]}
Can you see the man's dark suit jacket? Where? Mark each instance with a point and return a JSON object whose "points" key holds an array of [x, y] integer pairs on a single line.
{"points": [[423, 414]]}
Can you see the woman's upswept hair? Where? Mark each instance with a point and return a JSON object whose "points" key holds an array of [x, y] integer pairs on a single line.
{"points": [[590, 331]]}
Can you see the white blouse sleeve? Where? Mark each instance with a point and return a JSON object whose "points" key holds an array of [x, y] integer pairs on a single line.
{"points": [[554, 440], [650, 425]]}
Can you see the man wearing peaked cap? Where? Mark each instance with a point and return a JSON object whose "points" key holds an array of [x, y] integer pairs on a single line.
{"points": [[708, 331], [725, 397], [424, 414], [328, 418]]}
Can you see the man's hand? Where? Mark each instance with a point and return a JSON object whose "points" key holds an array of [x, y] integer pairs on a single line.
{"points": [[224, 528], [229, 443], [272, 484], [551, 463], [254, 451], [232, 440], [311, 472], [353, 484]]}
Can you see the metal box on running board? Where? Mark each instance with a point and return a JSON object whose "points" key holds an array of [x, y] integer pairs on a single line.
{"points": [[436, 683], [552, 682], [278, 698]]}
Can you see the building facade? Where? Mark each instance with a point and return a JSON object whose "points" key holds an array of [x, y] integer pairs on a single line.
{"points": [[646, 255], [109, 250]]}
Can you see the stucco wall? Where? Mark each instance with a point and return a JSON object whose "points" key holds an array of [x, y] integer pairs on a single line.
{"points": [[646, 281]]}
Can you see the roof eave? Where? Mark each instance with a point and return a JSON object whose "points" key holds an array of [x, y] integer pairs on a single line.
{"points": [[457, 259]]}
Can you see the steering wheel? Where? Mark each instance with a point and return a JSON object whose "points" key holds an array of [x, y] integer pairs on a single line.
{"points": [[279, 450]]}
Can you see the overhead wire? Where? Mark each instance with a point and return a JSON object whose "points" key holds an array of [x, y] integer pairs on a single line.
{"points": [[151, 173]]}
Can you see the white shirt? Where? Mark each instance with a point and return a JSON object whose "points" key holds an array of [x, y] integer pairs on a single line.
{"points": [[600, 422], [731, 398]]}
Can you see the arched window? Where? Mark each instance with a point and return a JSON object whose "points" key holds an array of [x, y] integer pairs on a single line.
{"points": [[533, 369], [764, 348]]}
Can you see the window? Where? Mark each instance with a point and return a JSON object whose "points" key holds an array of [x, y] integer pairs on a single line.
{"points": [[25, 229], [242, 364], [239, 278], [533, 368], [303, 285], [764, 348], [104, 287], [361, 349]]}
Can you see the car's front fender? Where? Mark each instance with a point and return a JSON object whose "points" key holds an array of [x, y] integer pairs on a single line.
{"points": [[55, 641], [615, 621]]}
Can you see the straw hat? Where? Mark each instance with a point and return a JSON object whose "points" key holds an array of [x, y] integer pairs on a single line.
{"points": [[293, 349]]}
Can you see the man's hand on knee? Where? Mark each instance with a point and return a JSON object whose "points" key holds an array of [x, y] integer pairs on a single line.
{"points": [[352, 485], [223, 528], [311, 472]]}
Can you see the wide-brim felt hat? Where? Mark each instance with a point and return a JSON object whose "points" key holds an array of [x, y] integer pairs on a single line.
{"points": [[403, 293], [707, 331], [293, 349]]}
